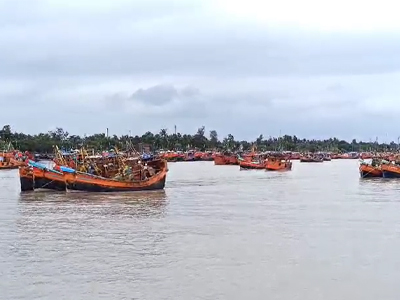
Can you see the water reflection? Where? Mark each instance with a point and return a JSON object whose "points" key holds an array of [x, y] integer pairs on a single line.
{"points": [[317, 232], [140, 204], [379, 190], [380, 182]]}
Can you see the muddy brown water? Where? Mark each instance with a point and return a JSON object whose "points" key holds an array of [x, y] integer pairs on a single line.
{"points": [[317, 232]]}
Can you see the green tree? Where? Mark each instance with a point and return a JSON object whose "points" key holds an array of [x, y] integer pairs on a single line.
{"points": [[213, 139]]}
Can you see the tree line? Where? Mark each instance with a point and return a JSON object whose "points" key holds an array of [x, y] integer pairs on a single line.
{"points": [[163, 140]]}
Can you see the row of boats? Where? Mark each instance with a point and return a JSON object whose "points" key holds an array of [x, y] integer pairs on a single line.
{"points": [[228, 157], [129, 171], [14, 159], [267, 158], [270, 162], [388, 167]]}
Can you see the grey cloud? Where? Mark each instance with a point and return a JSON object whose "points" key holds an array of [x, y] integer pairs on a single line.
{"points": [[156, 95], [161, 101], [144, 65], [153, 37], [115, 53]]}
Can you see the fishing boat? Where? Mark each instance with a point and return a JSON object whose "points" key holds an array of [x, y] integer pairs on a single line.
{"points": [[151, 176], [366, 155], [311, 159], [390, 170], [295, 156], [370, 170], [278, 163], [7, 166], [225, 158], [7, 162], [326, 156], [207, 156], [191, 156], [251, 165], [38, 176], [172, 156], [11, 160], [349, 155]]}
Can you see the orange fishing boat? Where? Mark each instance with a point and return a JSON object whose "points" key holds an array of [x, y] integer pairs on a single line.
{"points": [[252, 165], [207, 156], [171, 156], [34, 176], [278, 163], [7, 166], [198, 156], [370, 170], [366, 155], [8, 160], [225, 159], [91, 183], [390, 170]]}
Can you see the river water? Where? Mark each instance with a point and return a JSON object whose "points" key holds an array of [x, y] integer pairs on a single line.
{"points": [[317, 232]]}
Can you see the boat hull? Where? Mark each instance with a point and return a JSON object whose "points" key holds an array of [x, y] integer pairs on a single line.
{"points": [[312, 160], [27, 183], [367, 171], [37, 176], [251, 166], [279, 168], [221, 160], [274, 164], [8, 167], [81, 185], [388, 174], [91, 183], [390, 171], [40, 179]]}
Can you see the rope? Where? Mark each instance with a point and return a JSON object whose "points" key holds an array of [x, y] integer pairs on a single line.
{"points": [[367, 173], [46, 184]]}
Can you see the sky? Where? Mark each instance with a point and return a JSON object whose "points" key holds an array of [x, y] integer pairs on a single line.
{"points": [[314, 69]]}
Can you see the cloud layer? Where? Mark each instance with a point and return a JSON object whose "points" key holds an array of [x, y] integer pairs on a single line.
{"points": [[146, 65]]}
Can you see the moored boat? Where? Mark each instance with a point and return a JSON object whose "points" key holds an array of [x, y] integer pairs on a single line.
{"points": [[251, 165], [12, 160], [326, 157], [38, 176], [370, 170], [311, 159], [7, 165], [278, 163], [390, 170], [151, 177], [225, 158], [295, 156], [92, 183]]}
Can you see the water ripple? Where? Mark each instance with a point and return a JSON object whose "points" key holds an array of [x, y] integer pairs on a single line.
{"points": [[318, 232]]}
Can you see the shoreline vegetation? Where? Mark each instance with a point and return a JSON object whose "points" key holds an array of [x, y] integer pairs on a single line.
{"points": [[164, 140]]}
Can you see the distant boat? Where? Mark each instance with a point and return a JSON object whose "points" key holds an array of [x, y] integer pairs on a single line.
{"points": [[278, 163]]}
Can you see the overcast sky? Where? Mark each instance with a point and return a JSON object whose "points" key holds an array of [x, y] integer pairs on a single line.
{"points": [[310, 68]]}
